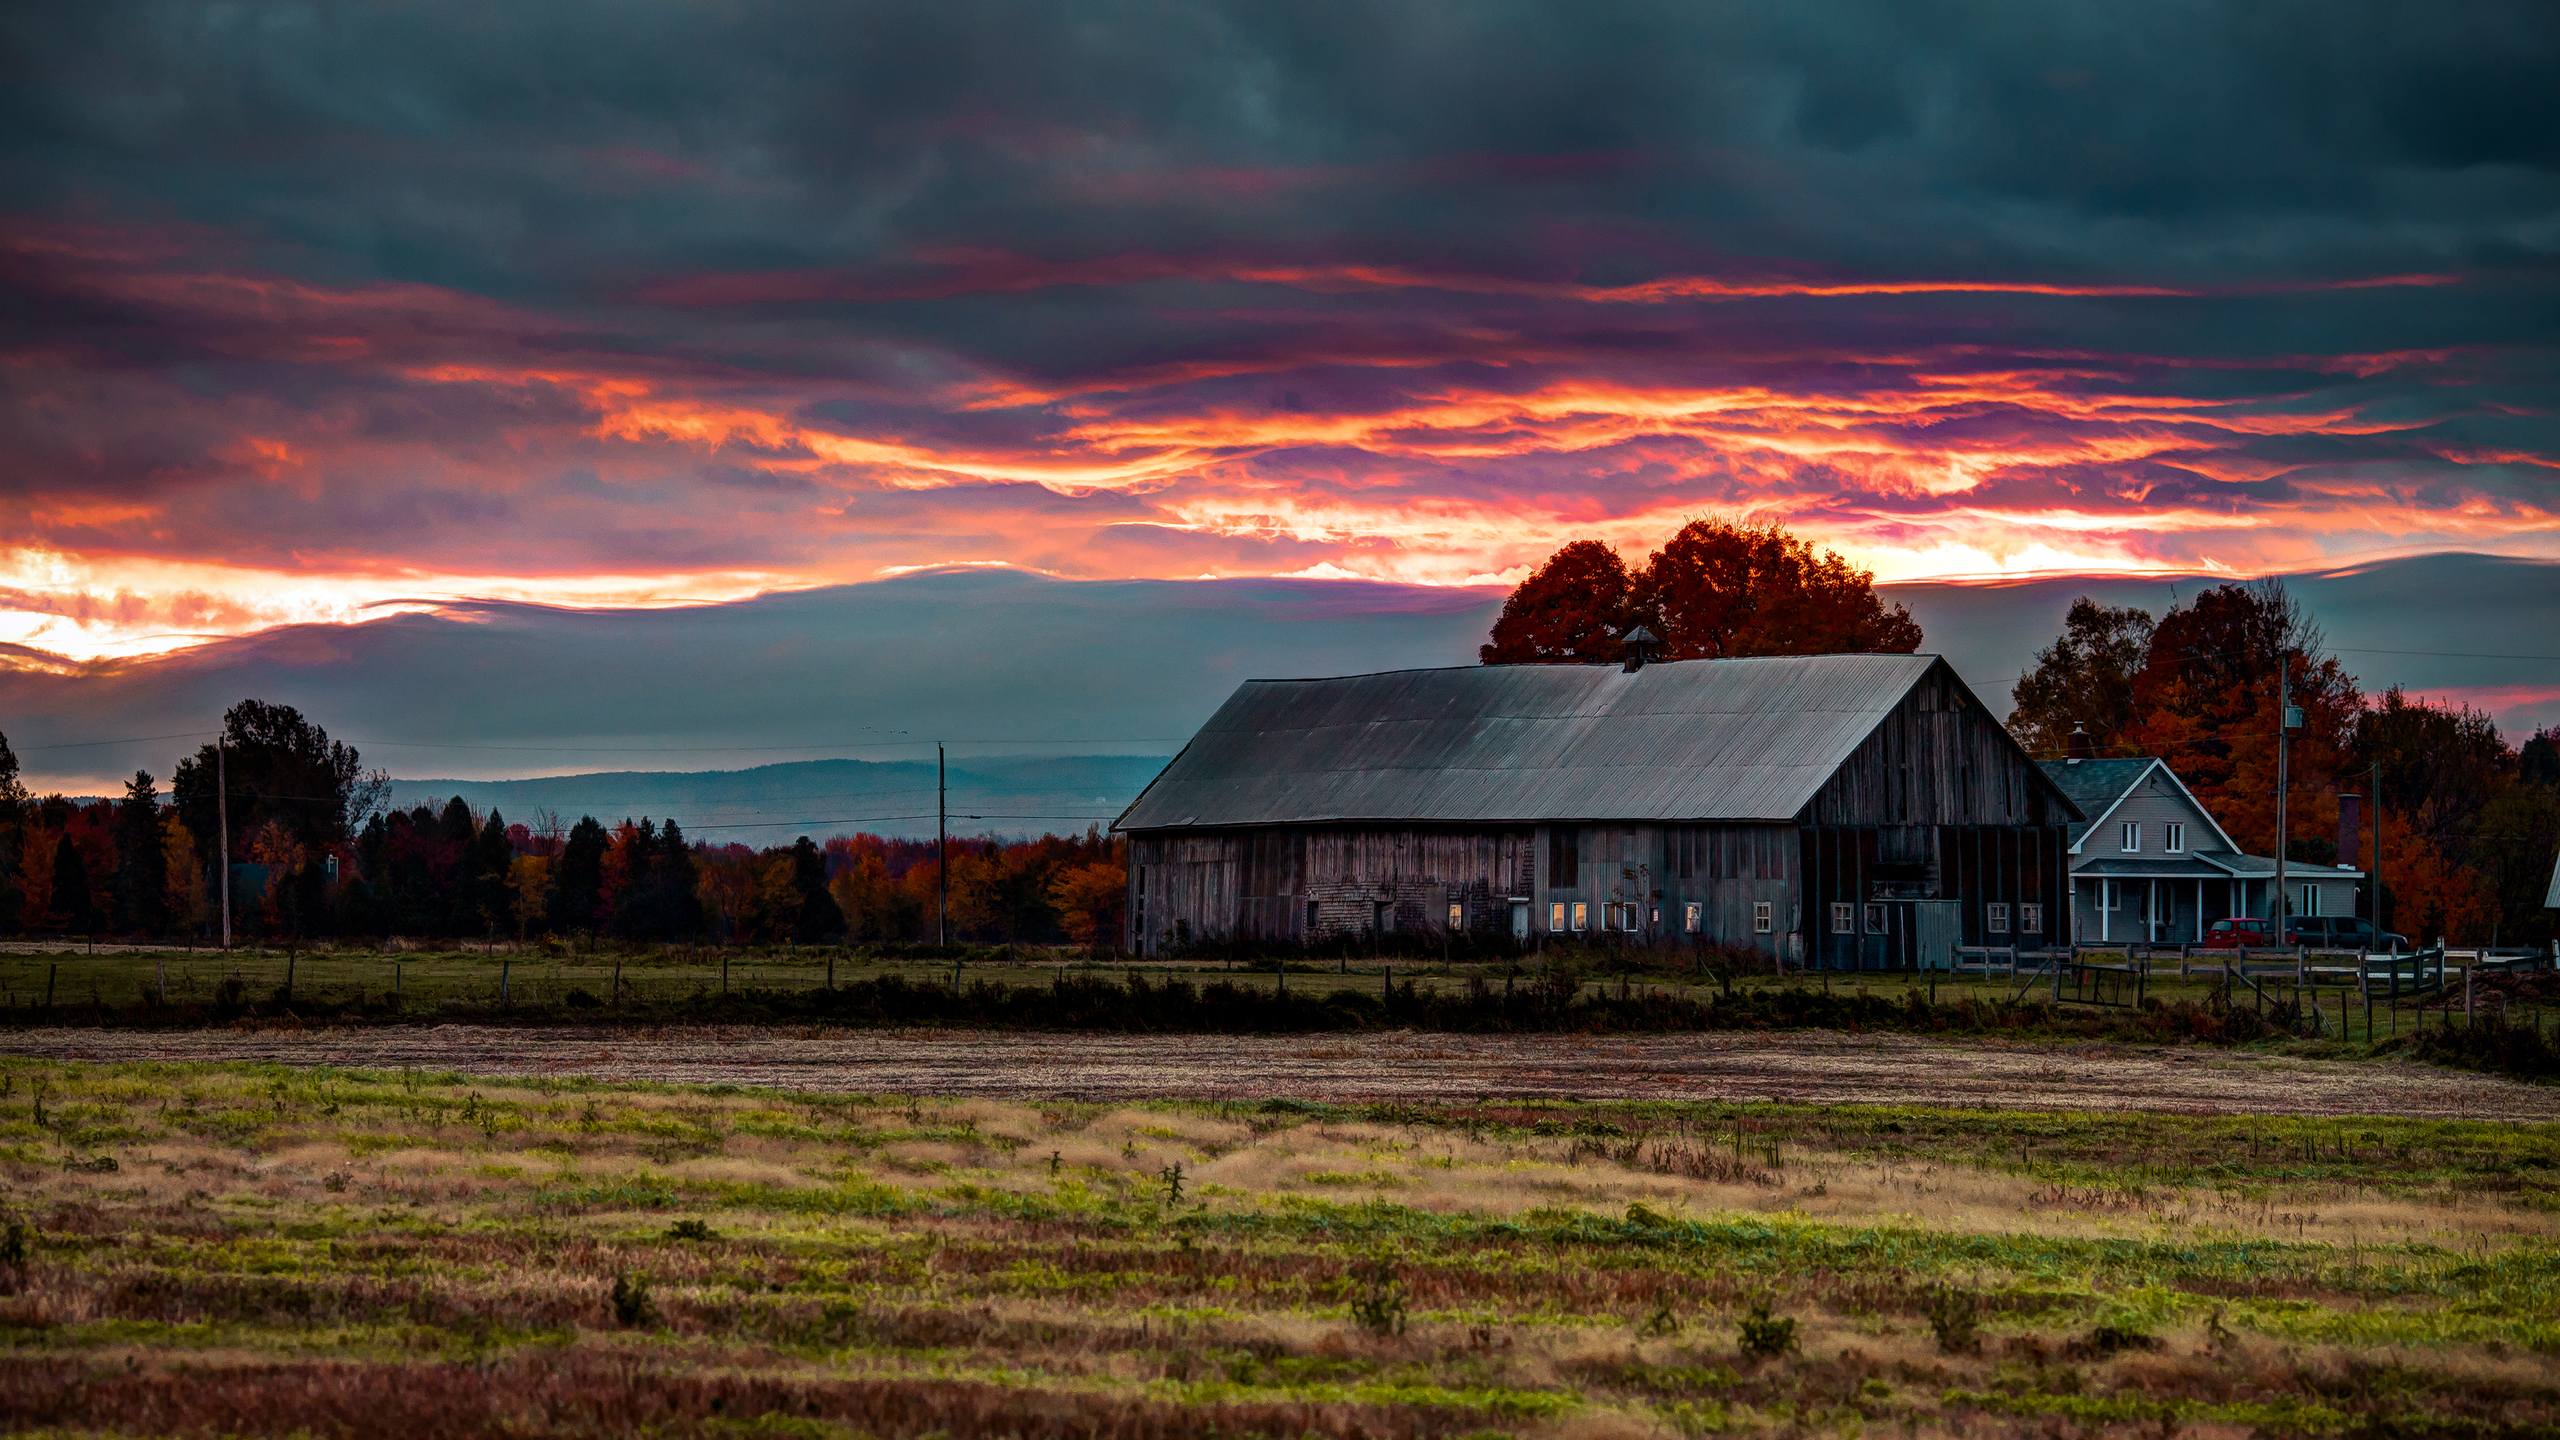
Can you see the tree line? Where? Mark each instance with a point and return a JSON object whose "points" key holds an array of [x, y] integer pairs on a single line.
{"points": [[316, 854], [2469, 822]]}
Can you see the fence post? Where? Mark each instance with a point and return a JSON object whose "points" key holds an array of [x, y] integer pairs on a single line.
{"points": [[617, 979], [395, 978], [49, 972], [289, 958], [504, 966]]}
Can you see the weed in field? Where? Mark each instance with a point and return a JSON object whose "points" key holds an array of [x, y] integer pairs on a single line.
{"points": [[1171, 1178], [1764, 1335], [690, 1229], [631, 1302], [1378, 1300], [1955, 1318]]}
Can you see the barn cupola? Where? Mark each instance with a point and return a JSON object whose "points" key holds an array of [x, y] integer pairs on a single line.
{"points": [[1638, 646]]}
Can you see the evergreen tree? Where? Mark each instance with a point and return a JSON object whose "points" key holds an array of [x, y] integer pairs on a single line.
{"points": [[73, 902], [13, 835], [491, 858], [141, 886], [819, 919], [581, 879], [678, 884]]}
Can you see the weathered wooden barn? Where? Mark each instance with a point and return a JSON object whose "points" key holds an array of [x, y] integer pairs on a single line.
{"points": [[1847, 811]]}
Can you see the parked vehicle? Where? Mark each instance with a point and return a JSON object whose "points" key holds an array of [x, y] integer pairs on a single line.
{"points": [[2342, 932], [2240, 930]]}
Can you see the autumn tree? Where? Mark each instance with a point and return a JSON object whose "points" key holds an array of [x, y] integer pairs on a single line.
{"points": [[1718, 590], [1572, 608], [1090, 901], [181, 875], [2083, 680], [2205, 702]]}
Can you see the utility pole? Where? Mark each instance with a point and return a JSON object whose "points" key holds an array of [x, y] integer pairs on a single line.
{"points": [[942, 852], [2284, 739], [222, 824]]}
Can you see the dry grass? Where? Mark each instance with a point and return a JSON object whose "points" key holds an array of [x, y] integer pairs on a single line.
{"points": [[219, 1250]]}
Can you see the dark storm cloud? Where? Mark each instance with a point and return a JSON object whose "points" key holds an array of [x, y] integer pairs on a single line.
{"points": [[783, 295]]}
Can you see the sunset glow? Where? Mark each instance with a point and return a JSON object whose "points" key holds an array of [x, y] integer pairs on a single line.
{"points": [[671, 353]]}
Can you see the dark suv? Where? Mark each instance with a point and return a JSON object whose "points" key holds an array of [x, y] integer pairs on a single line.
{"points": [[2341, 932]]}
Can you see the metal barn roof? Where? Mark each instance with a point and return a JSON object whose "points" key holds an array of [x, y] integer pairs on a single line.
{"points": [[1749, 739]]}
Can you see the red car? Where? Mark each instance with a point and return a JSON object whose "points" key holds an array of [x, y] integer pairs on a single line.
{"points": [[2255, 932]]}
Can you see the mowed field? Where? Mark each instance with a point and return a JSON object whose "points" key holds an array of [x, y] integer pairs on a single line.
{"points": [[267, 1250]]}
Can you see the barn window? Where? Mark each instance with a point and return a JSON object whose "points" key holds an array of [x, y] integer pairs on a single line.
{"points": [[1657, 917], [1996, 919], [1555, 916], [1581, 914], [1311, 917], [1382, 916], [1690, 917], [1844, 918], [1760, 923], [1457, 915], [1875, 919], [2031, 918], [2173, 837], [1564, 859]]}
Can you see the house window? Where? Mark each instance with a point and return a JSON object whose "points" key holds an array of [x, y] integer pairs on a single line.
{"points": [[2132, 837], [1555, 916], [2031, 918], [1657, 917], [1457, 915], [2110, 899], [1875, 919], [1844, 918], [1689, 917], [1581, 915], [1564, 858], [2310, 899], [1759, 917], [1997, 919], [2173, 837]]}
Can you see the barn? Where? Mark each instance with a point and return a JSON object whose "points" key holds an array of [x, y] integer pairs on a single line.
{"points": [[1842, 811]]}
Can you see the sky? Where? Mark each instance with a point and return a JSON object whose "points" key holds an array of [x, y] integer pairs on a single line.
{"points": [[321, 313]]}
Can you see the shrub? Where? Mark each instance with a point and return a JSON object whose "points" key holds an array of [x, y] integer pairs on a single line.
{"points": [[1766, 1336], [691, 1229], [1378, 1298], [1955, 1317], [632, 1306]]}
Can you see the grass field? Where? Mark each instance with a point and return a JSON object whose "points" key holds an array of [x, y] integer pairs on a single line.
{"points": [[230, 1249]]}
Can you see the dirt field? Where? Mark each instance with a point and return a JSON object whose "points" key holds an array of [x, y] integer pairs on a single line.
{"points": [[1809, 1067]]}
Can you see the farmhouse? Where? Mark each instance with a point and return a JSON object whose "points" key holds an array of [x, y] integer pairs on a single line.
{"points": [[1848, 811], [2151, 865]]}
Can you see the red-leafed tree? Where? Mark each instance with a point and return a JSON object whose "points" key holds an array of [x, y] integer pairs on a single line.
{"points": [[1574, 607], [1717, 589]]}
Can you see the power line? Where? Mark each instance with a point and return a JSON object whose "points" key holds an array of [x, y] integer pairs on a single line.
{"points": [[129, 740], [2445, 654]]}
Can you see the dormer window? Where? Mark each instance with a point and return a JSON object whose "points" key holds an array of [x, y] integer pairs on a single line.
{"points": [[2173, 838], [2132, 842]]}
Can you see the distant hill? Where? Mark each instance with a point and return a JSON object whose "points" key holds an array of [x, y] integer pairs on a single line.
{"points": [[774, 804]]}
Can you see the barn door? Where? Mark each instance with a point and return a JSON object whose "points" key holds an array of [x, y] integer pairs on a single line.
{"points": [[1937, 927], [1520, 921]]}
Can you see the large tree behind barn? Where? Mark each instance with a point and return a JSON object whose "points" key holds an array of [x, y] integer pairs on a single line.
{"points": [[1858, 811]]}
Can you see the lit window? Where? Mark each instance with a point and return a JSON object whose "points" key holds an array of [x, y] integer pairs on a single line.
{"points": [[1875, 919], [1997, 919], [1657, 917], [1457, 916], [2173, 837], [1760, 924], [1690, 917], [1844, 918], [2132, 837], [1555, 916], [1581, 915], [2031, 919]]}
